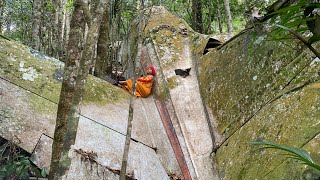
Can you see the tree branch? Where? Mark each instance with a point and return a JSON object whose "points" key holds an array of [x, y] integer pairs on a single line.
{"points": [[305, 42]]}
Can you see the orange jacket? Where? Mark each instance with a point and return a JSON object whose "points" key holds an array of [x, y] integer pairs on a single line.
{"points": [[143, 86]]}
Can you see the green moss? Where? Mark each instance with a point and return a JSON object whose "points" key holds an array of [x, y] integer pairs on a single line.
{"points": [[101, 93], [42, 105], [12, 54], [297, 112], [236, 97], [247, 73], [169, 46], [162, 92], [45, 84], [198, 44], [172, 82], [165, 17], [295, 169]]}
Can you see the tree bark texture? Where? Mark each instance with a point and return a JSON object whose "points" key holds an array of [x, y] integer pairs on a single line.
{"points": [[103, 64], [197, 16], [219, 16], [57, 28], [45, 29], [76, 72], [228, 16], [36, 20], [66, 107], [66, 33], [2, 3], [207, 27]]}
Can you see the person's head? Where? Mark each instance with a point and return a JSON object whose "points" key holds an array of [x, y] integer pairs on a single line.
{"points": [[151, 70]]}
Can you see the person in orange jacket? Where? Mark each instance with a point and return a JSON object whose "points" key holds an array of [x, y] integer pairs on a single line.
{"points": [[143, 84]]}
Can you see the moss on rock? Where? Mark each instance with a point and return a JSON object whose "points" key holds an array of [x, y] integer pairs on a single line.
{"points": [[42, 75], [172, 82], [249, 72], [24, 69], [291, 120], [159, 15], [259, 87], [100, 93]]}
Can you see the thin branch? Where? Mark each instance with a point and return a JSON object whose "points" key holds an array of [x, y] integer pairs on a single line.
{"points": [[305, 42], [130, 117]]}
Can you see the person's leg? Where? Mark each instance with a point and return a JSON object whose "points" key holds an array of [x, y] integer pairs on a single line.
{"points": [[127, 85], [143, 91], [122, 82]]}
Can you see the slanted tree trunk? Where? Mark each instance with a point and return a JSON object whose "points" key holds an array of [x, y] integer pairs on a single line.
{"points": [[103, 64], [36, 19], [76, 72], [228, 16], [197, 16]]}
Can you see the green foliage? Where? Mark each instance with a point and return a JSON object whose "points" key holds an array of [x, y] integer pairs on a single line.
{"points": [[18, 167], [17, 14], [261, 4], [44, 172], [15, 164], [293, 153], [314, 38], [68, 5], [293, 18]]}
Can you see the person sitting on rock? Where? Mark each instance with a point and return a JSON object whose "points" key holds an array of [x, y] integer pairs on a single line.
{"points": [[143, 84]]}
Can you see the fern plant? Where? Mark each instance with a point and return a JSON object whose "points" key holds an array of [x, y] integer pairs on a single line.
{"points": [[298, 18], [293, 153]]}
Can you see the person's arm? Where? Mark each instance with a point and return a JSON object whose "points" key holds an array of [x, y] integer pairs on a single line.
{"points": [[145, 79]]}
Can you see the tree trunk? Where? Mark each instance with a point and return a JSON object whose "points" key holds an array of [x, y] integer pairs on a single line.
{"points": [[57, 28], [44, 25], [2, 3], [197, 16], [66, 34], [103, 64], [36, 19], [60, 30], [76, 71], [219, 16], [208, 26], [66, 107], [228, 16]]}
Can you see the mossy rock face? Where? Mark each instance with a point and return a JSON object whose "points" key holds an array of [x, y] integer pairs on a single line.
{"points": [[168, 46], [199, 42], [261, 88], [43, 75], [247, 73], [297, 170], [168, 35], [100, 93], [160, 16], [292, 119], [34, 72]]}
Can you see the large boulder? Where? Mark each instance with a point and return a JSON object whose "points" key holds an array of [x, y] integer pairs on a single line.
{"points": [[258, 87], [29, 90]]}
